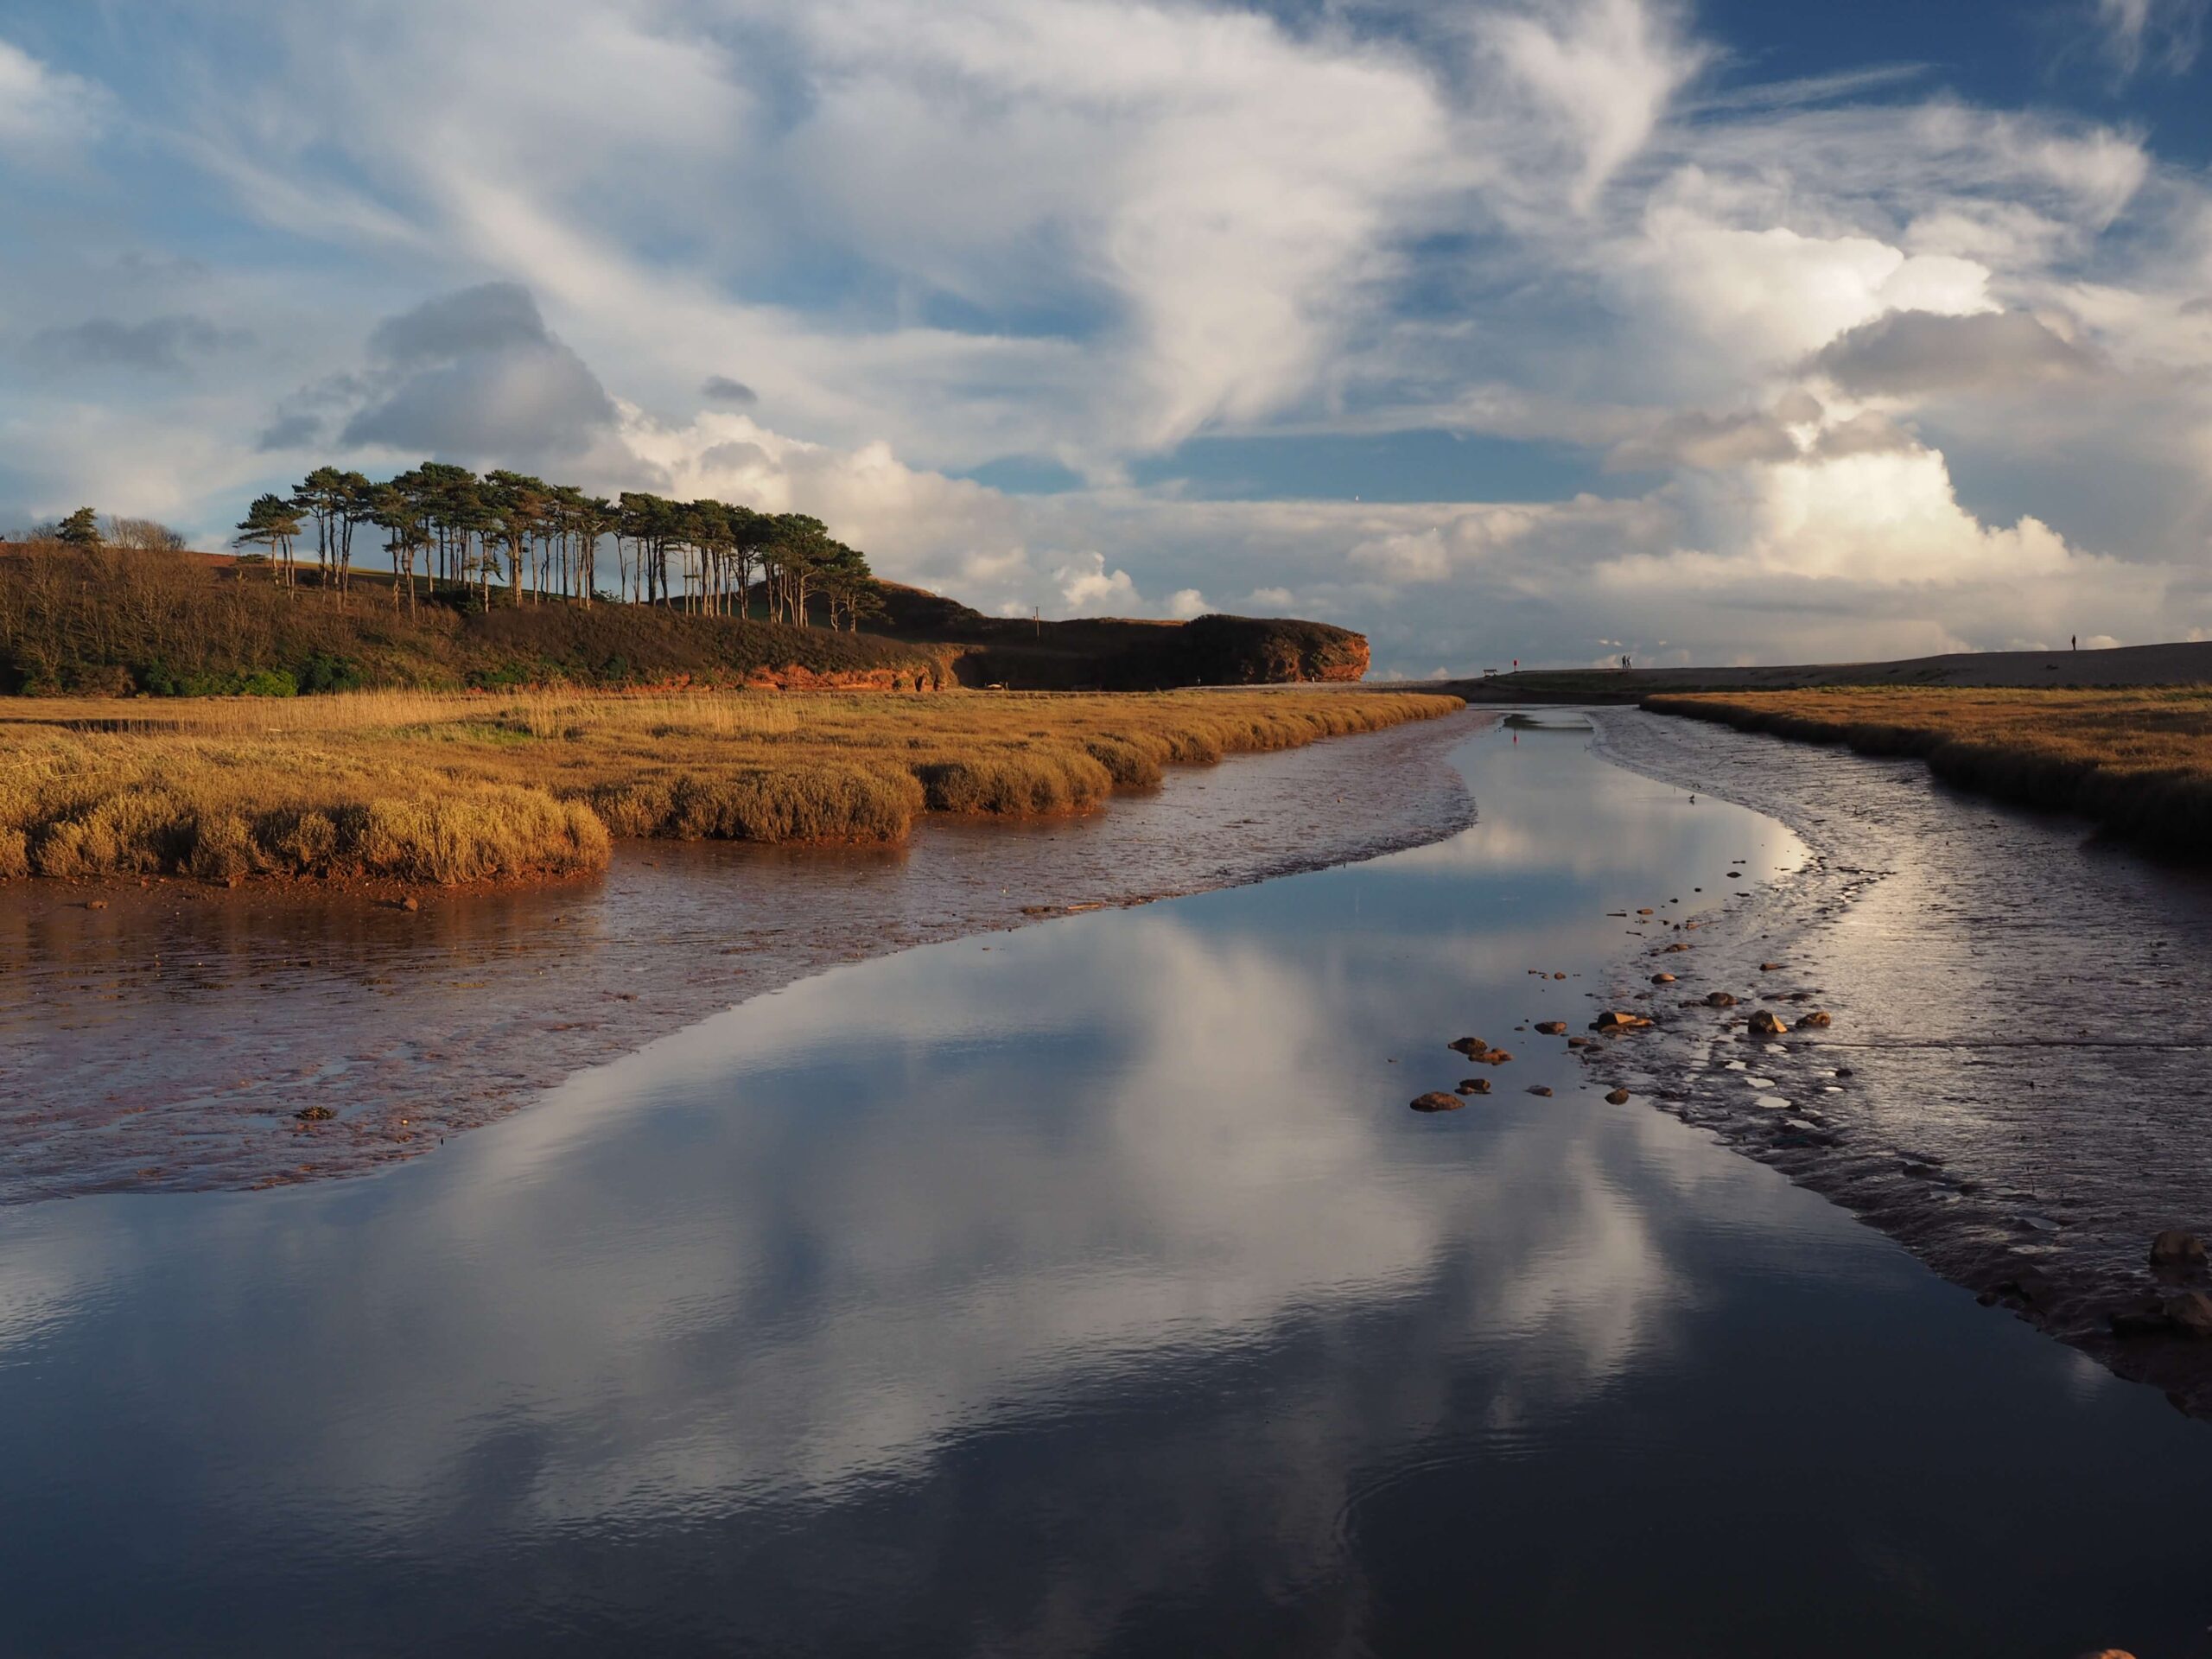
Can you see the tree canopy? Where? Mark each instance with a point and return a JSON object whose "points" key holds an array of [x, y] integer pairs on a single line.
{"points": [[528, 541]]}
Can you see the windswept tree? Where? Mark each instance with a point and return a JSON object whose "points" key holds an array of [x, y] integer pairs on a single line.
{"points": [[80, 529], [336, 501], [848, 585], [538, 539], [514, 512], [274, 523]]}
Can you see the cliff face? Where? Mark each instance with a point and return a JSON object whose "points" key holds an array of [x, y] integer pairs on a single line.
{"points": [[1118, 654]]}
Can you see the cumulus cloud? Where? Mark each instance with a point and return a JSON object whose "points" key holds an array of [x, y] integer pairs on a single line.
{"points": [[1404, 556], [477, 374], [1909, 352], [45, 112], [1088, 586], [1759, 324]]}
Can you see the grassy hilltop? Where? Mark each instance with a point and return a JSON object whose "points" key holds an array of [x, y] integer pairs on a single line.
{"points": [[102, 622]]}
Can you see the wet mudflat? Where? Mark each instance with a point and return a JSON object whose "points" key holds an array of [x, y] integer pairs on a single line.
{"points": [[167, 1039], [1090, 1289], [2020, 1007]]}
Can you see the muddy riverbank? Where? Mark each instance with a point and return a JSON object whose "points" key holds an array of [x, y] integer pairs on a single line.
{"points": [[168, 1039], [2015, 1085]]}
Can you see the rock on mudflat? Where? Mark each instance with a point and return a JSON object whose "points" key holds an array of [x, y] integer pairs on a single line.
{"points": [[315, 1114], [1543, 1089], [1438, 1102], [1771, 967], [2174, 1249], [1472, 1047], [1618, 1097], [1552, 1027], [1474, 1086], [1719, 1000], [1663, 979], [1816, 1021], [1614, 1020], [2191, 1312], [1764, 1023]]}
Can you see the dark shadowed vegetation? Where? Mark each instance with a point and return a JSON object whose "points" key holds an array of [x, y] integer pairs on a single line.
{"points": [[102, 621]]}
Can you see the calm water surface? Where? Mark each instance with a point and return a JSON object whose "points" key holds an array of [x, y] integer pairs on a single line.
{"points": [[1090, 1289]]}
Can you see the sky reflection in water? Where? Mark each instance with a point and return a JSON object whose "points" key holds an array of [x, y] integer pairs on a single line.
{"points": [[1088, 1288]]}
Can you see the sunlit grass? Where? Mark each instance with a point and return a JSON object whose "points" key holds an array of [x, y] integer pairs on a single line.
{"points": [[433, 787], [2137, 760]]}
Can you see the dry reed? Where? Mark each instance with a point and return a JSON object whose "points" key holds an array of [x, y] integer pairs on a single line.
{"points": [[2137, 762], [438, 788]]}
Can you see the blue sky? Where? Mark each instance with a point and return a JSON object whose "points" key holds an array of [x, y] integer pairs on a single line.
{"points": [[1546, 329]]}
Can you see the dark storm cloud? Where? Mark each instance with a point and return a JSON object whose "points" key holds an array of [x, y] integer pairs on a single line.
{"points": [[477, 375], [494, 317], [721, 389], [290, 431], [1913, 352], [159, 345]]}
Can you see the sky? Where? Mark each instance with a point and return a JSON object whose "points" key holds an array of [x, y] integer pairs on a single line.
{"points": [[1545, 330]]}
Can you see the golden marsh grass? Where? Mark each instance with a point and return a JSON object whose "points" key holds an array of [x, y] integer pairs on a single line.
{"points": [[2137, 760], [455, 788]]}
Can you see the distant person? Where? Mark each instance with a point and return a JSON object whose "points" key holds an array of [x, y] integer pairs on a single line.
{"points": [[2074, 639]]}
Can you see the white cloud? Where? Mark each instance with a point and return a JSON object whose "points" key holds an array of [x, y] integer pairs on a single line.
{"points": [[925, 237], [2160, 33], [1415, 555], [1088, 586], [1187, 602], [45, 112], [1605, 69]]}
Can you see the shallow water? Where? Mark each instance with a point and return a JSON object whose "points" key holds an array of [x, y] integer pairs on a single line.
{"points": [[1090, 1288], [2021, 1006], [164, 1042]]}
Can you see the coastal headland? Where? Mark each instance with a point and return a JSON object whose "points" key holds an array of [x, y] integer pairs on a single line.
{"points": [[179, 713]]}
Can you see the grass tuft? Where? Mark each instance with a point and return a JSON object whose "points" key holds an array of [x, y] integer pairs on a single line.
{"points": [[447, 789], [2138, 762]]}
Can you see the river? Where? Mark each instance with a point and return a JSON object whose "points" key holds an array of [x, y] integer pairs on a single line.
{"points": [[1090, 1289]]}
